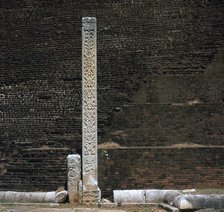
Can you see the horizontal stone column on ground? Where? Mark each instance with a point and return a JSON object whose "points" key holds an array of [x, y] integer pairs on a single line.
{"points": [[142, 196], [13, 196], [157, 196], [188, 201], [137, 196], [33, 197], [170, 196]]}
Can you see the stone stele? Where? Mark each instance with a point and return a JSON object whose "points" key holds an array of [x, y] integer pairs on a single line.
{"points": [[74, 177]]}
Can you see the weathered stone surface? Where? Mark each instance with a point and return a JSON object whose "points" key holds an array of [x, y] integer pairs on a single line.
{"points": [[74, 176], [199, 201], [157, 196], [143, 196], [133, 196], [61, 196], [168, 207], [89, 112], [187, 191], [170, 196], [12, 196], [91, 197]]}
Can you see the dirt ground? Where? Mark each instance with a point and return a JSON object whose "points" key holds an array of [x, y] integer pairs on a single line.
{"points": [[70, 208], [32, 207]]}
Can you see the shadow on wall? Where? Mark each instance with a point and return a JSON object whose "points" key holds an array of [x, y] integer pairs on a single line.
{"points": [[174, 110]]}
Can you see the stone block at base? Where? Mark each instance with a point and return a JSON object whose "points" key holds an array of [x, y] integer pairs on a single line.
{"points": [[91, 197]]}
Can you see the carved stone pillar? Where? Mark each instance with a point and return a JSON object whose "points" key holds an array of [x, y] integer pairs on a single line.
{"points": [[74, 177], [91, 192]]}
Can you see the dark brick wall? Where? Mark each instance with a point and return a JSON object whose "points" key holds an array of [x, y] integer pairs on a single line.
{"points": [[160, 168], [34, 169], [160, 80]]}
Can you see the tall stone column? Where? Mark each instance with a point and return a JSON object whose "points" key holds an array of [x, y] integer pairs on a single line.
{"points": [[91, 192]]}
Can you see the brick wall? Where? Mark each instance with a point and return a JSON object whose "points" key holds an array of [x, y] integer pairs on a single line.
{"points": [[160, 80], [160, 168]]}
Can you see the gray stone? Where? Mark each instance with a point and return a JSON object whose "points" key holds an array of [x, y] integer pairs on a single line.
{"points": [[170, 196], [157, 196], [13, 196], [74, 176], [91, 192], [61, 196], [188, 201], [169, 207], [129, 196]]}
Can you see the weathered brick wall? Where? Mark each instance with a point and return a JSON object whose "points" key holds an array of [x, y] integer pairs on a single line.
{"points": [[160, 80], [160, 168], [34, 169]]}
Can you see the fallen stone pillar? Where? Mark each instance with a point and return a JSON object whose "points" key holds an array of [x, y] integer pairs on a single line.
{"points": [[129, 196], [170, 196], [187, 201], [33, 197], [141, 196], [157, 196], [74, 177], [13, 196]]}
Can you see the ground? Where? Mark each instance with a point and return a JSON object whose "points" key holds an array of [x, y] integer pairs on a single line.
{"points": [[70, 208]]}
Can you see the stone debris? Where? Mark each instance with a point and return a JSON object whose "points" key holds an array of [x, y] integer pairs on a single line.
{"points": [[61, 196], [168, 207]]}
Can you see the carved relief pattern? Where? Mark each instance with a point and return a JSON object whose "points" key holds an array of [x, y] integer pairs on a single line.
{"points": [[74, 177], [89, 97]]}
